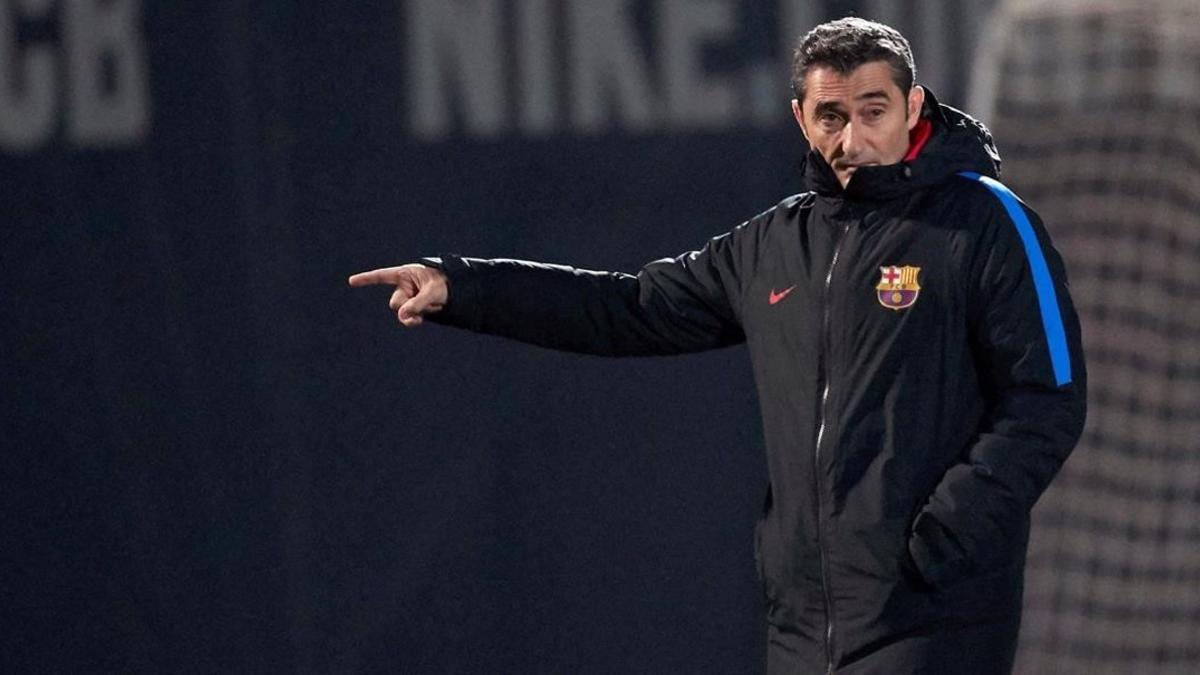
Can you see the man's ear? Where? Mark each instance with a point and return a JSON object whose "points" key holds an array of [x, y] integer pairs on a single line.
{"points": [[916, 100], [798, 113]]}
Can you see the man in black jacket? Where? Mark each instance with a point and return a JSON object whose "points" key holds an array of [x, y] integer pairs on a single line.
{"points": [[915, 350]]}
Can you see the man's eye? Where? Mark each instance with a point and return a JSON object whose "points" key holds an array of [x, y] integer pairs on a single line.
{"points": [[830, 118], [875, 113]]}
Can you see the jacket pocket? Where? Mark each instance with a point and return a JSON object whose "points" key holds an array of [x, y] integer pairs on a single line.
{"points": [[937, 554], [761, 541]]}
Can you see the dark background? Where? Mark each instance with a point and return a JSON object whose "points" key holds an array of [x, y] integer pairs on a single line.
{"points": [[218, 457]]}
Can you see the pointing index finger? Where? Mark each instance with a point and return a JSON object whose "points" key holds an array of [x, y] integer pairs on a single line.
{"points": [[384, 275]]}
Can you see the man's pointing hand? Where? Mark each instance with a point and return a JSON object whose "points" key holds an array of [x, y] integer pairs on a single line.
{"points": [[420, 290]]}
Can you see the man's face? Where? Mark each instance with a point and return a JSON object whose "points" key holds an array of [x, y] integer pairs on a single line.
{"points": [[857, 119]]}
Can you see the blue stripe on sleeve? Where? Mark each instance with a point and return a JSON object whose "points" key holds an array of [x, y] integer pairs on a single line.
{"points": [[1052, 323]]}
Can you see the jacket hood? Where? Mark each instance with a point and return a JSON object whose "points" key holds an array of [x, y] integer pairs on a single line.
{"points": [[958, 143]]}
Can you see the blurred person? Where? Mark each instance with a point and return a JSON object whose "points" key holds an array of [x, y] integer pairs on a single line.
{"points": [[915, 349]]}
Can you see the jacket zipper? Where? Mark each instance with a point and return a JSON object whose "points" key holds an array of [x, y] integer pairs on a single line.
{"points": [[824, 373]]}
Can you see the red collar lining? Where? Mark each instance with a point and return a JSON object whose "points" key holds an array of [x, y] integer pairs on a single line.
{"points": [[917, 138]]}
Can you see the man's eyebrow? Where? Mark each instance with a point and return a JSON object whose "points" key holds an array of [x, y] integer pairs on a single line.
{"points": [[873, 94], [828, 106]]}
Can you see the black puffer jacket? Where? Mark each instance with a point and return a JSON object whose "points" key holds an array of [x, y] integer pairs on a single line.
{"points": [[921, 380]]}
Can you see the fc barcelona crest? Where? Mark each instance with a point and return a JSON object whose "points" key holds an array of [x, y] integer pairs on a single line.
{"points": [[898, 287]]}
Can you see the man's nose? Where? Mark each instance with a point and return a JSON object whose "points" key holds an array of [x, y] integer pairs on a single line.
{"points": [[850, 141]]}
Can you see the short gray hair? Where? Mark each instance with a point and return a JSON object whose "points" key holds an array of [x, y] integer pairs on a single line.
{"points": [[848, 43]]}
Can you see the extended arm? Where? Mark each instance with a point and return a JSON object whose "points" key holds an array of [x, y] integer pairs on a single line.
{"points": [[683, 304]]}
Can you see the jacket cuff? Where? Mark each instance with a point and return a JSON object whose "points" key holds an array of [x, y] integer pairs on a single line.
{"points": [[462, 292], [936, 552]]}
